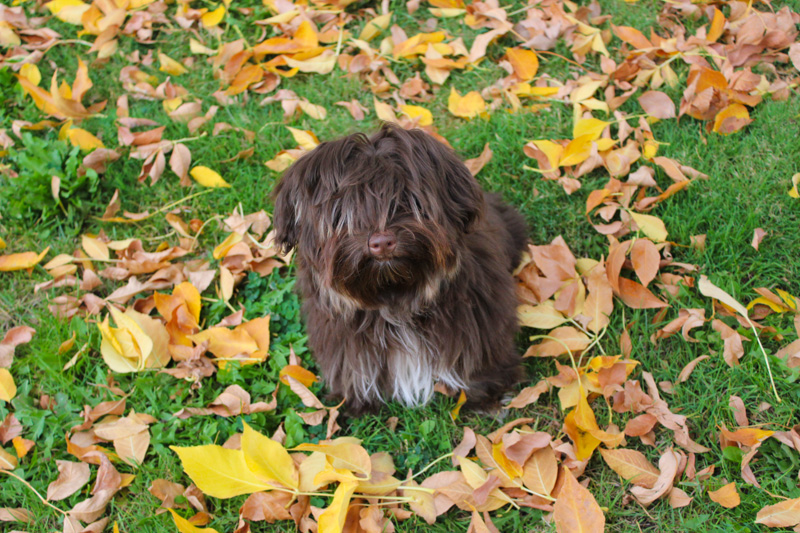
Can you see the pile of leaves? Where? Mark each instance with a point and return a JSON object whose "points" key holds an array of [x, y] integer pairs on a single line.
{"points": [[711, 63]]}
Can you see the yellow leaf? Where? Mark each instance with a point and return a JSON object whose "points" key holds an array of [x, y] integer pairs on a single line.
{"points": [[218, 471], [94, 247], [83, 139], [304, 138], [652, 227], [542, 316], [224, 247], [191, 296], [343, 454], [267, 459], [170, 66], [8, 388], [793, 192], [332, 520], [791, 301], [524, 62], [197, 47], [30, 72], [213, 18], [138, 341], [374, 27], [184, 526], [321, 64], [70, 11], [207, 177], [777, 307], [509, 467], [226, 343], [589, 126], [468, 106], [462, 399], [299, 373], [425, 117], [552, 150], [2, 244], [21, 261], [577, 151]]}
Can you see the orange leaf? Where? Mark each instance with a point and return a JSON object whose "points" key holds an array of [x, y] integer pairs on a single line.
{"points": [[21, 261], [632, 465], [783, 514], [576, 510], [524, 62], [726, 496]]}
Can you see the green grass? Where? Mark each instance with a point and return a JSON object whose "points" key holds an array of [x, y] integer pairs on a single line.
{"points": [[749, 175]]}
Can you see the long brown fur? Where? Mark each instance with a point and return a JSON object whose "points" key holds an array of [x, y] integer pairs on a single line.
{"points": [[442, 307]]}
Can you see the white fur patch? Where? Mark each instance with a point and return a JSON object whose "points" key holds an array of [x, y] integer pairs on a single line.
{"points": [[413, 369]]}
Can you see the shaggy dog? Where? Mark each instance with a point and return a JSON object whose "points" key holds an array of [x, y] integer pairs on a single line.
{"points": [[404, 266]]}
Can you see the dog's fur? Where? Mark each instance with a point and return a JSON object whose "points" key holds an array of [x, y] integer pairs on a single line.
{"points": [[442, 308]]}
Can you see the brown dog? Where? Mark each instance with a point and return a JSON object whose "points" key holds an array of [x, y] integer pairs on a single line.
{"points": [[404, 265]]}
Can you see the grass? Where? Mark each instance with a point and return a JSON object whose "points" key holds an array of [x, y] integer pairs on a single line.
{"points": [[748, 179]]}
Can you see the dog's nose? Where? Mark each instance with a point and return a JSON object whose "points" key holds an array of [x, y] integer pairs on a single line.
{"points": [[382, 244]]}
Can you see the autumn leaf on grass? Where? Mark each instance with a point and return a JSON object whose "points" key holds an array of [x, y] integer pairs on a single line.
{"points": [[576, 510], [248, 342], [468, 106], [565, 339], [221, 472], [726, 496], [181, 310], [207, 177], [21, 261], [731, 119], [71, 477], [581, 426], [70, 11], [524, 62], [185, 526], [668, 466], [63, 101], [632, 466], [138, 341], [8, 389], [13, 338], [782, 514]]}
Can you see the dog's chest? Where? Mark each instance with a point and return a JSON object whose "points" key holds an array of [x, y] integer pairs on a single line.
{"points": [[412, 365]]}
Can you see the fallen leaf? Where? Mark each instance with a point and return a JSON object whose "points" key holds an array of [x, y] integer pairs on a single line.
{"points": [[207, 177], [726, 496], [576, 510]]}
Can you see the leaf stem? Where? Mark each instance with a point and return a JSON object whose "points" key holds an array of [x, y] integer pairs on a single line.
{"points": [[44, 501], [431, 464]]}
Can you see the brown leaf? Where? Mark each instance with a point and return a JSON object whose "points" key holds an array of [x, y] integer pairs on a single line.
{"points": [[668, 467], [528, 395], [645, 259], [733, 349], [637, 296], [71, 477], [475, 165], [657, 104], [739, 412], [267, 506], [782, 514], [726, 496], [180, 162], [600, 303], [758, 236], [540, 471], [568, 337], [576, 509], [689, 368], [13, 338], [641, 425], [632, 466], [678, 498], [465, 446]]}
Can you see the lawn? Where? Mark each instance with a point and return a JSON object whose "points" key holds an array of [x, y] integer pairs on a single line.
{"points": [[237, 91]]}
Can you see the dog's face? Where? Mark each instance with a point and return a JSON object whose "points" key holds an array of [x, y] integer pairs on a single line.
{"points": [[378, 220]]}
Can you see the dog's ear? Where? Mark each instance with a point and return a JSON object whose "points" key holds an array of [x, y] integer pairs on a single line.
{"points": [[462, 197], [289, 200]]}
